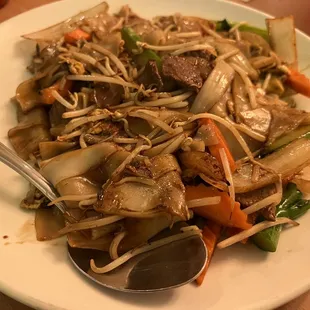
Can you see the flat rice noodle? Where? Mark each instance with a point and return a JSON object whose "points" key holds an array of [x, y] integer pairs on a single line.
{"points": [[139, 231], [25, 139], [167, 195], [79, 185], [99, 232], [76, 163], [55, 32], [51, 149], [47, 223], [287, 161], [77, 240], [256, 40], [27, 94]]}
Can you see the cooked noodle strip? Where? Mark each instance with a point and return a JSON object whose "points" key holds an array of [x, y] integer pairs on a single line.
{"points": [[141, 180], [217, 184]]}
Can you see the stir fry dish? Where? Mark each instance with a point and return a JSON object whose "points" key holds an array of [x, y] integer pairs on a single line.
{"points": [[178, 121]]}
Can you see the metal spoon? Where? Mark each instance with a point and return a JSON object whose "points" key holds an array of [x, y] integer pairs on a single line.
{"points": [[167, 267]]}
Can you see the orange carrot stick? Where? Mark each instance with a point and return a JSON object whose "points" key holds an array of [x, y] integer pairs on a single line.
{"points": [[210, 235], [76, 35], [215, 149], [46, 93], [221, 213], [299, 82]]}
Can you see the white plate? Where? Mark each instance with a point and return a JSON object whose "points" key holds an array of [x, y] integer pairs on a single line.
{"points": [[40, 274]]}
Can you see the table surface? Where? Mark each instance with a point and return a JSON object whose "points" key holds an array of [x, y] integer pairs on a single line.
{"points": [[274, 7]]}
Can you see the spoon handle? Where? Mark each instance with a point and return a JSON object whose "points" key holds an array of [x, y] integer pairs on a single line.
{"points": [[9, 158]]}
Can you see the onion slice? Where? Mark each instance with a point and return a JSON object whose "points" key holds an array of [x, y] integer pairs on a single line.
{"points": [[214, 87], [254, 230]]}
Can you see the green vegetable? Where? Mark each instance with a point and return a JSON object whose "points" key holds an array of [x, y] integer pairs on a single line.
{"points": [[291, 206], [131, 38], [288, 138], [224, 25]]}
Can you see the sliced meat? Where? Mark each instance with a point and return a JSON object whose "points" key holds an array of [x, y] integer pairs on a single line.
{"points": [[203, 64], [283, 121], [185, 72], [150, 76], [202, 162], [106, 95], [249, 198]]}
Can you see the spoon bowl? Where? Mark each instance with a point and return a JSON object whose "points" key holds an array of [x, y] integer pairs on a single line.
{"points": [[167, 267]]}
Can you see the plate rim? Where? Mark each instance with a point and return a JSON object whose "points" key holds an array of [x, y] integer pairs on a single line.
{"points": [[30, 301]]}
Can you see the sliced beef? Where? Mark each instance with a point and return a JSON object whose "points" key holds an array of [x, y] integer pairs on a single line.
{"points": [[106, 95], [249, 198], [202, 162], [150, 76], [188, 72]]}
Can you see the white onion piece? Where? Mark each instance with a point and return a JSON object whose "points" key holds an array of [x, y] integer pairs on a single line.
{"points": [[254, 230], [214, 88], [55, 32], [237, 59]]}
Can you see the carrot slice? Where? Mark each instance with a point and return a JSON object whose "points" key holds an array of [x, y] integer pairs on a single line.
{"points": [[299, 82], [215, 149], [76, 35], [210, 235], [231, 231], [46, 93], [221, 213]]}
